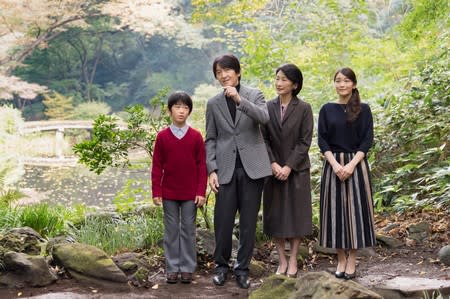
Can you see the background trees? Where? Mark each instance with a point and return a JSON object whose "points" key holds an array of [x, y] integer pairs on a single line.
{"points": [[121, 52]]}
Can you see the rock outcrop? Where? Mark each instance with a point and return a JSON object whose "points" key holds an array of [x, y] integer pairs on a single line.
{"points": [[89, 265], [313, 285], [23, 270], [444, 255]]}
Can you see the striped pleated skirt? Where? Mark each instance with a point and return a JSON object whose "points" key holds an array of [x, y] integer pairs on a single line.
{"points": [[346, 208]]}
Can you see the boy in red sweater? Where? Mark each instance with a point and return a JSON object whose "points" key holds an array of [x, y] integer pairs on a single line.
{"points": [[179, 183]]}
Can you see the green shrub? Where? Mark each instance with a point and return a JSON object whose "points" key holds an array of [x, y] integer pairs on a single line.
{"points": [[411, 153], [47, 221]]}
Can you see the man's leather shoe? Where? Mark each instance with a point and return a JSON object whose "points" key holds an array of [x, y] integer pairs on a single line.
{"points": [[219, 278], [242, 281], [186, 277]]}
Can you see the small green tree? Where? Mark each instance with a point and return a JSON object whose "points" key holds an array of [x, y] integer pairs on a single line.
{"points": [[112, 140], [58, 106]]}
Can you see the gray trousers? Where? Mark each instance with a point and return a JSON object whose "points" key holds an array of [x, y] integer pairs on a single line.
{"points": [[179, 235]]}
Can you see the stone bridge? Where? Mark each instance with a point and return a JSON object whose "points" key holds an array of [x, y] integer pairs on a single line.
{"points": [[55, 125]]}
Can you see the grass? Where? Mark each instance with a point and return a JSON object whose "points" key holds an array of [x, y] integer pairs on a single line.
{"points": [[43, 219], [112, 235], [119, 235]]}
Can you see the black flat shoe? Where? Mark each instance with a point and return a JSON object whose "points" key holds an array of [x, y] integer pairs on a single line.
{"points": [[339, 274], [349, 276], [219, 278], [242, 281]]}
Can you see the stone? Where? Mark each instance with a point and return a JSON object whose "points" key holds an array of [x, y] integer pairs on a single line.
{"points": [[89, 265], [390, 227], [257, 268], [414, 287], [206, 242], [136, 266], [317, 285], [367, 252], [303, 252], [275, 286], [444, 255], [23, 270], [388, 241], [58, 240], [320, 249], [23, 239], [312, 285], [107, 216], [419, 231]]}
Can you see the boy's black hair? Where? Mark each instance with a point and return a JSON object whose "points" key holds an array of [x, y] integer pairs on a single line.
{"points": [[179, 97], [227, 61]]}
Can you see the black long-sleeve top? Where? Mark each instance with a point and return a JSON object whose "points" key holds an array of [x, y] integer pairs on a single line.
{"points": [[335, 134]]}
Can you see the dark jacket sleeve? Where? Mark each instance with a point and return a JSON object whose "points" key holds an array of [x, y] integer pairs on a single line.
{"points": [[322, 131], [366, 130], [298, 158]]}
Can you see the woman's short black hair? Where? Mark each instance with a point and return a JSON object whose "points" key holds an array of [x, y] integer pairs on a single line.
{"points": [[293, 73], [179, 97], [227, 61]]}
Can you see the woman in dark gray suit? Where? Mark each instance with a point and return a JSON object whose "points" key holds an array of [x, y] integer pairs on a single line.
{"points": [[287, 194]]}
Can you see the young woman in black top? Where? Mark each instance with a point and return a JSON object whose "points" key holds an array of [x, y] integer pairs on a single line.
{"points": [[345, 135]]}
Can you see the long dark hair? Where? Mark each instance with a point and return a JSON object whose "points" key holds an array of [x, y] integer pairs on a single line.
{"points": [[354, 103]]}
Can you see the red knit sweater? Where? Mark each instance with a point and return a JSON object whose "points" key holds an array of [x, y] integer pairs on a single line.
{"points": [[179, 166]]}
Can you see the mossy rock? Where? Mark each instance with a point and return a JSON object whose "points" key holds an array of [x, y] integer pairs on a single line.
{"points": [[22, 239], [275, 286], [88, 261], [444, 255], [257, 268], [303, 252]]}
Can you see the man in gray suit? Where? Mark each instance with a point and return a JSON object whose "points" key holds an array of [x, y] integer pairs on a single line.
{"points": [[237, 162]]}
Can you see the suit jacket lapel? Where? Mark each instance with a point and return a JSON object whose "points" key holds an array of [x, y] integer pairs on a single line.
{"points": [[277, 111], [291, 107], [224, 109], [244, 94]]}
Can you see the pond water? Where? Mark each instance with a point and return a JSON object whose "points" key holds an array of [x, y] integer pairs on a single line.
{"points": [[71, 185]]}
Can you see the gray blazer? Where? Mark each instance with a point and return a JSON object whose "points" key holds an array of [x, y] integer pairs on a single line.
{"points": [[223, 137]]}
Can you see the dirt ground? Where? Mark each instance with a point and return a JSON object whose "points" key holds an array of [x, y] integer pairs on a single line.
{"points": [[412, 260]]}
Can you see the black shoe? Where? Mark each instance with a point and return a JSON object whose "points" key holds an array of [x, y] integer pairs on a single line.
{"points": [[349, 276], [219, 278], [242, 281], [172, 277], [339, 274]]}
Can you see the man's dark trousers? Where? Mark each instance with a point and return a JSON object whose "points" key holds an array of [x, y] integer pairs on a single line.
{"points": [[241, 194]]}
